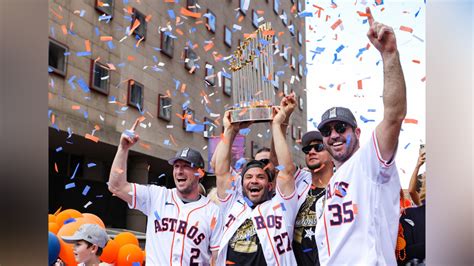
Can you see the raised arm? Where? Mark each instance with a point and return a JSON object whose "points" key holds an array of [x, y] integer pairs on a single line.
{"points": [[394, 89], [285, 180], [118, 183], [414, 176], [284, 126], [222, 155]]}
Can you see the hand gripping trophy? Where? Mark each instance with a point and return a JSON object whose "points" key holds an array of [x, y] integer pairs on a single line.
{"points": [[252, 70]]}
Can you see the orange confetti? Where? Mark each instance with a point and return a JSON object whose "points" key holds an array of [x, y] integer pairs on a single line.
{"points": [[56, 14], [407, 29], [339, 87], [201, 172], [172, 140], [130, 58], [105, 38], [359, 84], [423, 79], [180, 32], [229, 262], [415, 61], [411, 121], [93, 138], [188, 13], [97, 127], [356, 209], [379, 2], [240, 18], [148, 18], [64, 29], [75, 107], [53, 118], [56, 168], [213, 222], [243, 112], [141, 119], [268, 32], [260, 12], [139, 41], [362, 14], [88, 45], [183, 88], [145, 146], [321, 87], [208, 46]]}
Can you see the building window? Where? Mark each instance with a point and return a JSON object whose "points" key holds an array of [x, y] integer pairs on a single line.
{"points": [[291, 28], [190, 58], [167, 44], [164, 107], [301, 103], [299, 5], [211, 21], [276, 81], [293, 131], [300, 69], [210, 78], [284, 17], [300, 38], [241, 5], [285, 52], [285, 89], [254, 18], [135, 94], [188, 117], [293, 62], [227, 85], [192, 5], [99, 77], [140, 31], [227, 36], [300, 133], [105, 7], [209, 128], [57, 59], [276, 6]]}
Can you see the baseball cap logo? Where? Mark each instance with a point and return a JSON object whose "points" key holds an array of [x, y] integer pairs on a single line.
{"points": [[332, 113], [184, 152]]}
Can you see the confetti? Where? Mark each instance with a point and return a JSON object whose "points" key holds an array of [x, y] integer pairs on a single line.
{"points": [[70, 185], [248, 201], [86, 190], [75, 171], [156, 215]]}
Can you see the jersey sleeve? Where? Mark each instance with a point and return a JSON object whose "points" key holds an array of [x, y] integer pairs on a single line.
{"points": [[290, 203], [378, 169], [143, 196], [216, 230], [232, 195]]}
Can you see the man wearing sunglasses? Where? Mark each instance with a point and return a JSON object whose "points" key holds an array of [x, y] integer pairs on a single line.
{"points": [[310, 186], [359, 213]]}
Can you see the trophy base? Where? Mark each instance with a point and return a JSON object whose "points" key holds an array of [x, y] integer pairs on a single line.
{"points": [[257, 114]]}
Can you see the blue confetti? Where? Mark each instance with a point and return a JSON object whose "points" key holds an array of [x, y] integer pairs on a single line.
{"points": [[89, 165], [250, 203], [70, 185], [283, 206], [307, 250], [86, 190], [348, 140], [156, 215], [86, 114], [305, 14], [244, 131], [111, 45], [361, 50], [339, 49], [406, 146], [194, 127], [166, 142], [74, 174], [160, 176], [83, 53], [280, 167], [71, 82], [417, 12], [365, 120], [97, 32], [83, 85], [59, 149], [240, 163], [371, 110], [171, 14], [50, 70], [70, 220]]}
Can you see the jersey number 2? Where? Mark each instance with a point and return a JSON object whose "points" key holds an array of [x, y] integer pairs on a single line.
{"points": [[195, 255], [341, 214]]}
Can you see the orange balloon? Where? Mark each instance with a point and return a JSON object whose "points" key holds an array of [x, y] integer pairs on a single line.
{"points": [[94, 219], [110, 252], [70, 228], [67, 214], [51, 218], [129, 254], [126, 238], [66, 253], [53, 227]]}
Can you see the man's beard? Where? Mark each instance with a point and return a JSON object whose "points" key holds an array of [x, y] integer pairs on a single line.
{"points": [[349, 151], [313, 166]]}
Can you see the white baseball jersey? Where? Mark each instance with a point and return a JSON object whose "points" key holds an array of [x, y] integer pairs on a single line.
{"points": [[358, 217], [177, 233], [273, 221], [304, 180]]}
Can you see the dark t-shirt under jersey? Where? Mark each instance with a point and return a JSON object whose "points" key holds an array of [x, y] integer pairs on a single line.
{"points": [[244, 246], [304, 244]]}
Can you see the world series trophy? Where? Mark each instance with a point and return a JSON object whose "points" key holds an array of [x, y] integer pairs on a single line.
{"points": [[252, 67]]}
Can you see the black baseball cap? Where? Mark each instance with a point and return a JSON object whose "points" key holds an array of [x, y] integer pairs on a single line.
{"points": [[337, 114], [189, 155], [259, 164], [311, 136]]}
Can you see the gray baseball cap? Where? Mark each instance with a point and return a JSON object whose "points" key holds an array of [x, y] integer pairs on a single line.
{"points": [[91, 233], [337, 114], [311, 136], [188, 155]]}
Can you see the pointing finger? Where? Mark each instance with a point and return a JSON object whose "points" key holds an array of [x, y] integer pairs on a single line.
{"points": [[135, 125], [370, 17]]}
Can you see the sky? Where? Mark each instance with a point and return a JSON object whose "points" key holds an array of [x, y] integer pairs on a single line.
{"points": [[342, 72]]}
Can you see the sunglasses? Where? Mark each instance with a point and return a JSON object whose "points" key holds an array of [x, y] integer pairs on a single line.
{"points": [[318, 147], [340, 128], [265, 161]]}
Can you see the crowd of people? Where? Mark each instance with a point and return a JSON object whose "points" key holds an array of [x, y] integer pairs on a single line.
{"points": [[345, 206]]}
